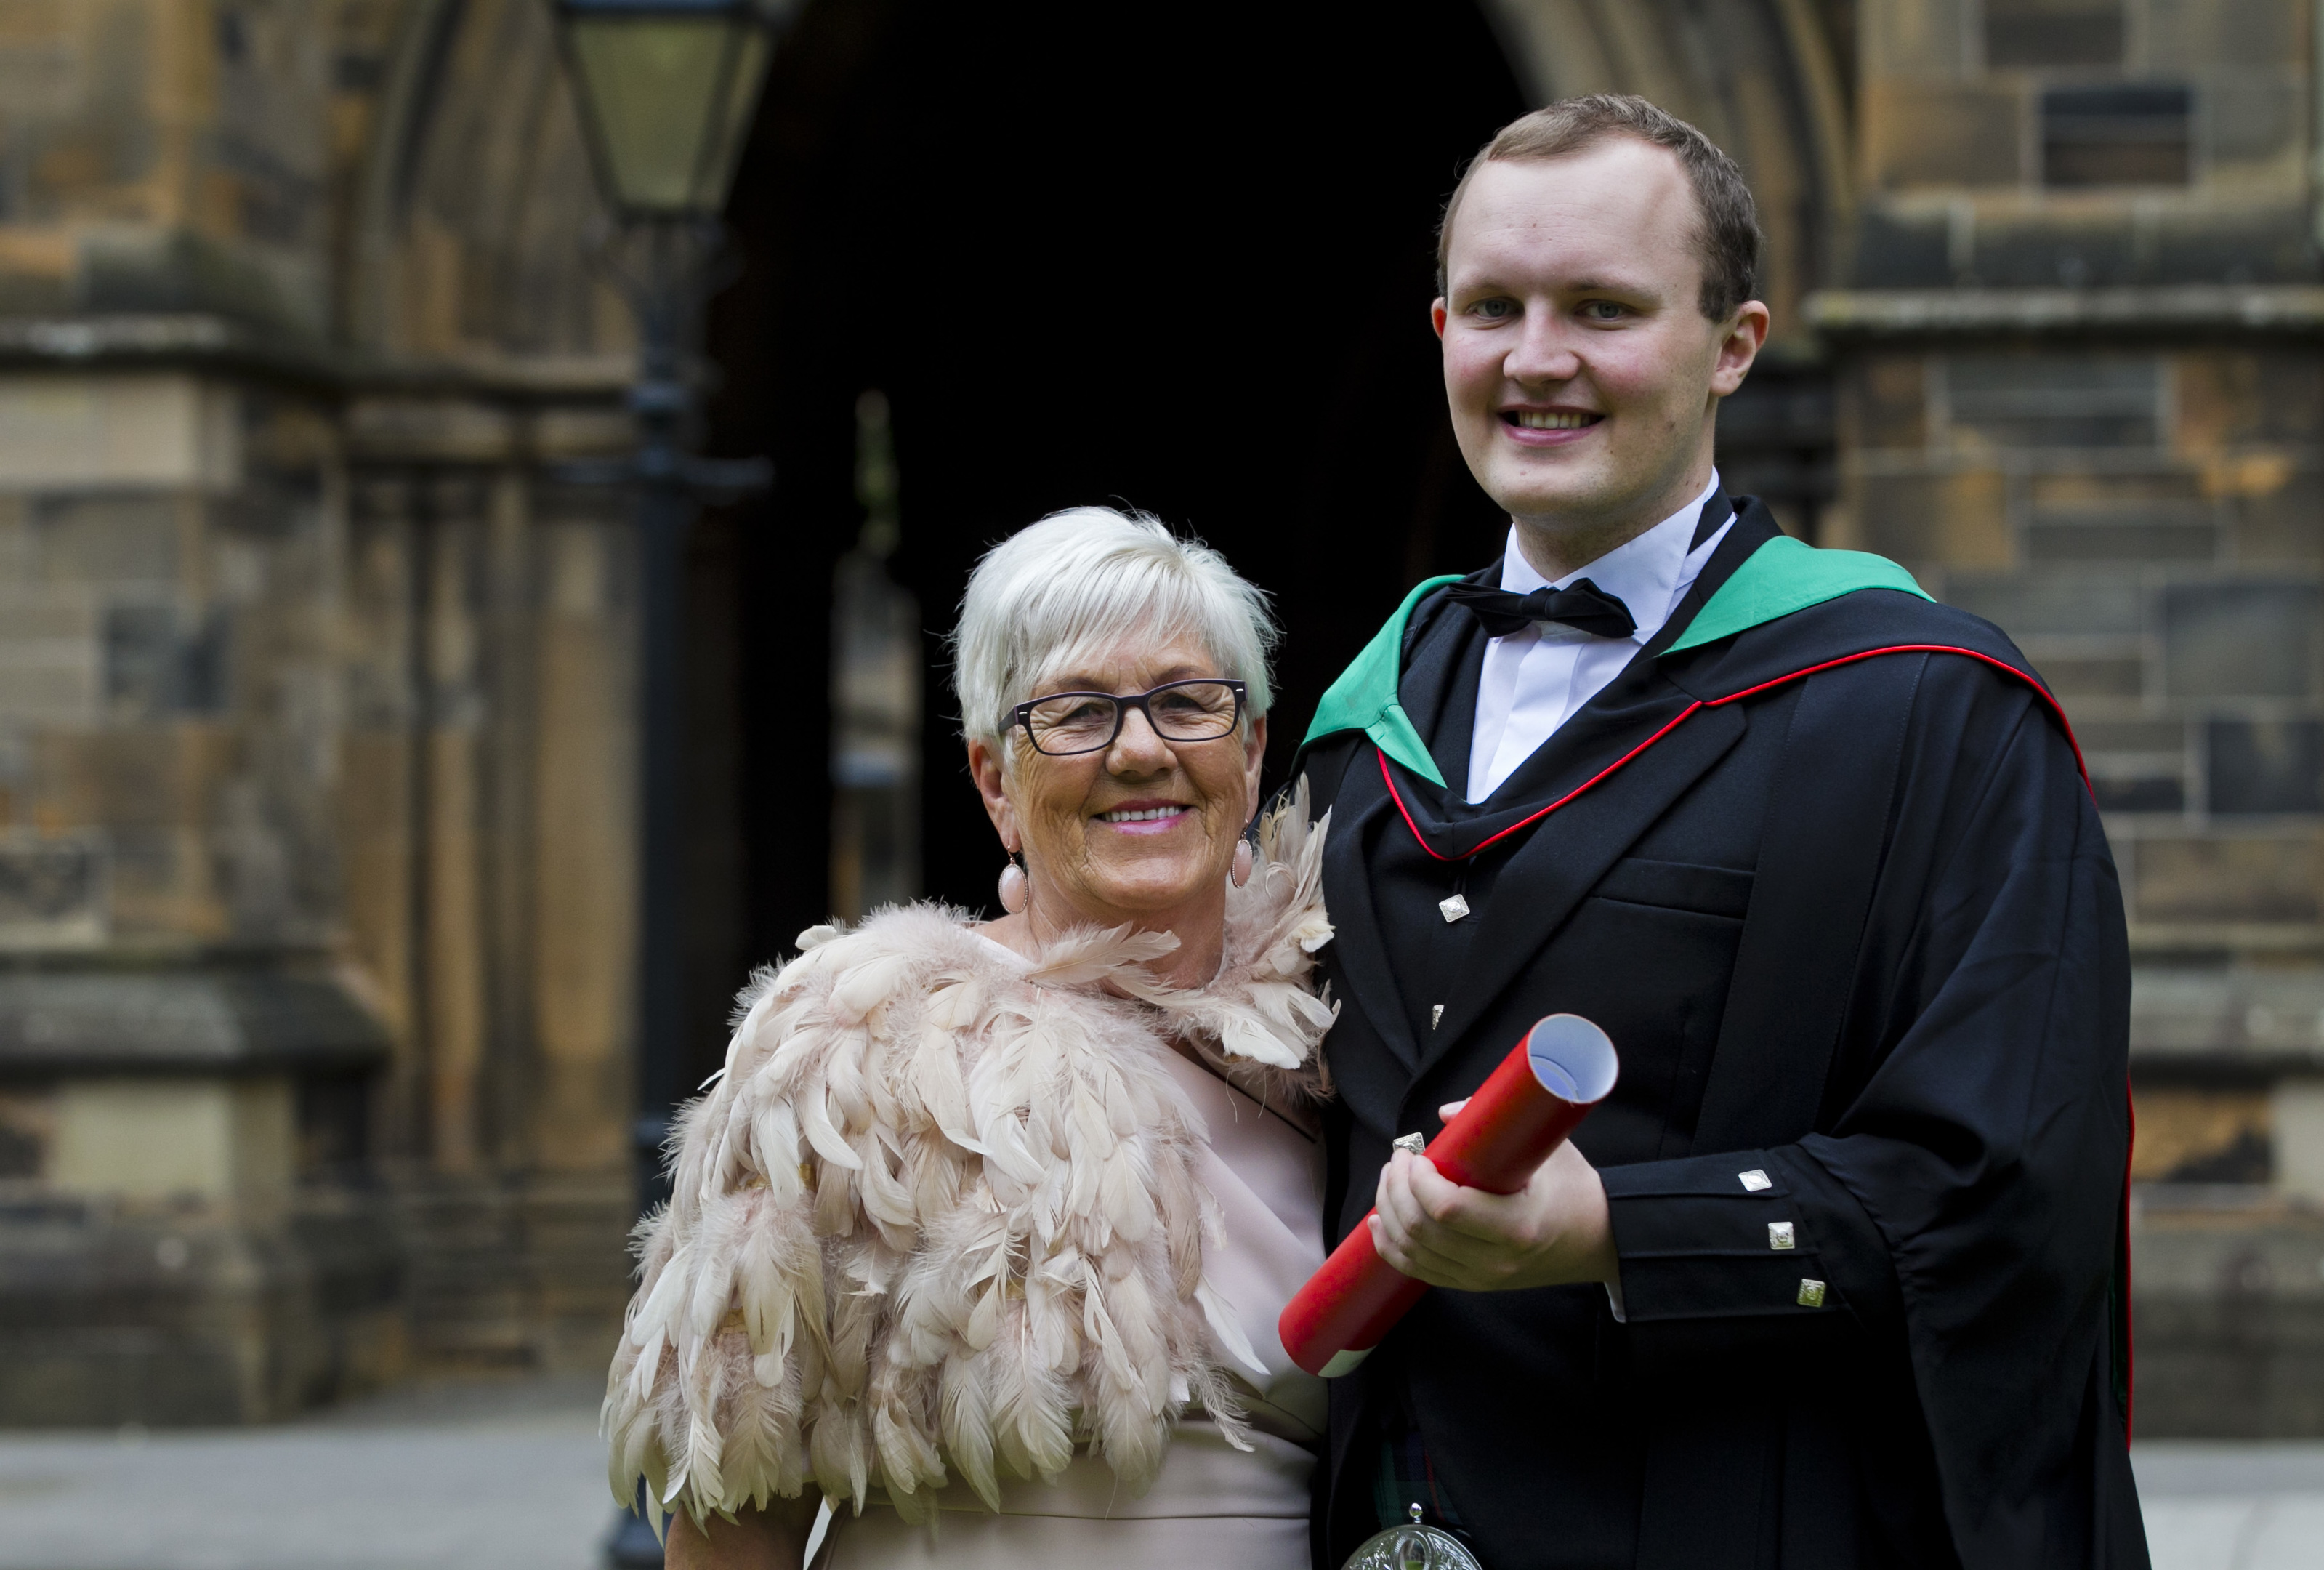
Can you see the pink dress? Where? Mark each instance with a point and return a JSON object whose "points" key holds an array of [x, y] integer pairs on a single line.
{"points": [[1211, 1504]]}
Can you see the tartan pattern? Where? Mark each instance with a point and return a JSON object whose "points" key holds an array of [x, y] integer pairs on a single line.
{"points": [[1405, 1478]]}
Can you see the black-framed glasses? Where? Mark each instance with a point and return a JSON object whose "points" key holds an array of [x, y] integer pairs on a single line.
{"points": [[1202, 709]]}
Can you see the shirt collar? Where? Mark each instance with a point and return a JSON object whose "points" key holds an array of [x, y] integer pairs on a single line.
{"points": [[1648, 574]]}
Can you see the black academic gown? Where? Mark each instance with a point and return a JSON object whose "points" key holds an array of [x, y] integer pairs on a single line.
{"points": [[1857, 931]]}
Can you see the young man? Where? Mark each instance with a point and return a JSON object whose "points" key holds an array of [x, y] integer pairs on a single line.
{"points": [[1834, 1276]]}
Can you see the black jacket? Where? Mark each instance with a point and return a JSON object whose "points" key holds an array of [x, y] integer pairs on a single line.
{"points": [[1857, 931]]}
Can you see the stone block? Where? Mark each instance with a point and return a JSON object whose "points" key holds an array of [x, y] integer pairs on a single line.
{"points": [[1914, 38], [2240, 640], [226, 1142], [122, 779], [2232, 1027], [176, 1316], [27, 1129], [2201, 1134], [157, 270], [2138, 791], [1954, 519], [63, 693], [2141, 736], [1886, 404], [2262, 879], [2193, 34], [1923, 135], [109, 541], [2296, 1107], [2115, 134], [2229, 399], [2053, 399], [2229, 1313], [2036, 34], [1893, 250], [54, 889], [2080, 605], [161, 661], [2266, 766], [2155, 534], [149, 430], [2088, 488], [2089, 251], [2130, 748], [161, 884], [2075, 676], [2284, 521], [2247, 243], [2252, 121]]}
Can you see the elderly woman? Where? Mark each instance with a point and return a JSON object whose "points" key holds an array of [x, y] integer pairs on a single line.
{"points": [[983, 1232]]}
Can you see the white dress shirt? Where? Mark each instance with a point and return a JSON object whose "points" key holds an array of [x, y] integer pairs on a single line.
{"points": [[1534, 682]]}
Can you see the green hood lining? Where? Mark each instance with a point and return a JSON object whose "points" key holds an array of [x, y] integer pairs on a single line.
{"points": [[1783, 576]]}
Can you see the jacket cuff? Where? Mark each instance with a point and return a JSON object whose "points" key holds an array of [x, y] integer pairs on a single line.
{"points": [[1713, 1237]]}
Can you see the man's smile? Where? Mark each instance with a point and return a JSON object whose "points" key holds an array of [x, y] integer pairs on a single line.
{"points": [[1549, 428]]}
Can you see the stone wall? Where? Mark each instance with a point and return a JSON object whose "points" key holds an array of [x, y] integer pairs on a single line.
{"points": [[317, 877], [2081, 392], [317, 895]]}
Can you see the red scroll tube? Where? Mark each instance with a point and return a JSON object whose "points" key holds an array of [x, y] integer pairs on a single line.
{"points": [[1544, 1088]]}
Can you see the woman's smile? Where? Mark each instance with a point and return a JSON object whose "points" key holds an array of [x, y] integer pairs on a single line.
{"points": [[1145, 818]]}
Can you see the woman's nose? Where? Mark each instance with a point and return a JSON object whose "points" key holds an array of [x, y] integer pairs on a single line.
{"points": [[1137, 746]]}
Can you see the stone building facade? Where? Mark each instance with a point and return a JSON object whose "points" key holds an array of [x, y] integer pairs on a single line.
{"points": [[319, 897], [2081, 392], [314, 729]]}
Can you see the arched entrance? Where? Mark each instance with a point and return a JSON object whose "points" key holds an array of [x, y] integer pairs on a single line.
{"points": [[1168, 258], [1179, 258]]}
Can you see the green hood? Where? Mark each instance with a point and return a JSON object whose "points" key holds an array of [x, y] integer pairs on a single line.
{"points": [[1781, 577]]}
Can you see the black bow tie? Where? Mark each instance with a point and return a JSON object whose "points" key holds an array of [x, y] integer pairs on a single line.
{"points": [[1585, 608]]}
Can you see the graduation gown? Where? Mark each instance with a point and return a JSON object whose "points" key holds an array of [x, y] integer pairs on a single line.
{"points": [[1823, 862]]}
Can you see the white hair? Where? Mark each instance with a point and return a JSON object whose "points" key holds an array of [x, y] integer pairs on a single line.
{"points": [[1061, 590]]}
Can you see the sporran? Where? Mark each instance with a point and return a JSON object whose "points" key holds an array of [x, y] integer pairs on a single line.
{"points": [[1413, 1547]]}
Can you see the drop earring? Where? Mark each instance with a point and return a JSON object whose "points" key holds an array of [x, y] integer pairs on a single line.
{"points": [[1242, 858], [1013, 890]]}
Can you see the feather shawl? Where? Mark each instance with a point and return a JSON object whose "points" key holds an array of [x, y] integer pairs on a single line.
{"points": [[940, 1210]]}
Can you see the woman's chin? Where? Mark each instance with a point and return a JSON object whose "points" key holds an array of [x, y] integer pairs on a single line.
{"points": [[1145, 892]]}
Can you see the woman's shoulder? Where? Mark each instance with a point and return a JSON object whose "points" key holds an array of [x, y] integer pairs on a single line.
{"points": [[920, 972], [905, 946], [910, 1119], [893, 955]]}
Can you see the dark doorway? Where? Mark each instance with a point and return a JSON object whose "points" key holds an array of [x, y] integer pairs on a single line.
{"points": [[1175, 256]]}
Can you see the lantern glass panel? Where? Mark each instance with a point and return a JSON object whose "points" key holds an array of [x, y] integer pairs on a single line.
{"points": [[668, 94], [741, 104]]}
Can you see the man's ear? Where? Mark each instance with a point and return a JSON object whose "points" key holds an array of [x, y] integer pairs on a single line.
{"points": [[1739, 348], [1436, 314]]}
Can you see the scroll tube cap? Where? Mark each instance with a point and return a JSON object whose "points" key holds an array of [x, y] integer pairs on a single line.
{"points": [[1572, 1058]]}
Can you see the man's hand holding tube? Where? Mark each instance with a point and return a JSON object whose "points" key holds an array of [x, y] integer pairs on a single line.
{"points": [[1552, 1232]]}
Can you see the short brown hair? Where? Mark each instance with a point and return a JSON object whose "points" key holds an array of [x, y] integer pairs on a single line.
{"points": [[1730, 233]]}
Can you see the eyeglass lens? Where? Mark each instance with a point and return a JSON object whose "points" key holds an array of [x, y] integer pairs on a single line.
{"points": [[1083, 722]]}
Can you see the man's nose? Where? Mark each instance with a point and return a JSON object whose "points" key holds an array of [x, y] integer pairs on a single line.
{"points": [[1543, 351]]}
